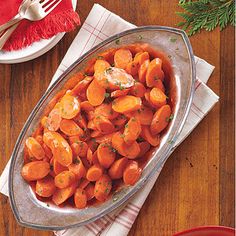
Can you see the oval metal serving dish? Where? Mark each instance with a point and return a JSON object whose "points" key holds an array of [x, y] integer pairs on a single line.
{"points": [[31, 212]]}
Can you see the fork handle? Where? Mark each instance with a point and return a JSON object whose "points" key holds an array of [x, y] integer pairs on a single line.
{"points": [[6, 35], [11, 22]]}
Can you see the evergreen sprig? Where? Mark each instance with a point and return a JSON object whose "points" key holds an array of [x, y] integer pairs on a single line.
{"points": [[206, 14]]}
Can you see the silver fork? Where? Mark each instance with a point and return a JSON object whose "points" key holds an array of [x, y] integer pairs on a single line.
{"points": [[37, 10]]}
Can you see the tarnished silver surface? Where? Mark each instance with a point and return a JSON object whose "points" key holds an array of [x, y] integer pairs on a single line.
{"points": [[31, 212]]}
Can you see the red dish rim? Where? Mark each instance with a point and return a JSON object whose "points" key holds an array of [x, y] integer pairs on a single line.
{"points": [[228, 229]]}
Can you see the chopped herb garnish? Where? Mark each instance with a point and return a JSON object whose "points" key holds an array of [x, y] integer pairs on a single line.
{"points": [[118, 41], [122, 135], [170, 141], [126, 125], [156, 78], [108, 70], [113, 64], [85, 74], [48, 205], [76, 161], [107, 95], [140, 139], [100, 57], [115, 199], [168, 119], [169, 56], [140, 37], [173, 40]]}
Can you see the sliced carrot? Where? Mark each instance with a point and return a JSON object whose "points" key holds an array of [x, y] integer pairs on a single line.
{"points": [[126, 103], [91, 125], [84, 183], [35, 170], [141, 57], [137, 56], [89, 69], [143, 71], [129, 151], [106, 138], [95, 134], [35, 148], [92, 144], [144, 148], [105, 110], [81, 121], [94, 173], [95, 93], [154, 140], [160, 119], [103, 125], [99, 74], [159, 84], [90, 115], [95, 158], [80, 198], [148, 101], [106, 154], [78, 168], [81, 86], [157, 97], [70, 128], [102, 188], [132, 130], [108, 55], [69, 106], [131, 173], [144, 115], [117, 168], [64, 179], [132, 68], [44, 121], [45, 187], [122, 58], [138, 90], [47, 151], [119, 93], [53, 120], [75, 79], [86, 106], [61, 195], [57, 167], [90, 191], [89, 156], [119, 121], [101, 65], [154, 72]]}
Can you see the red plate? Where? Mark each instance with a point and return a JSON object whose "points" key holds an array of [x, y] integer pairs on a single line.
{"points": [[208, 231]]}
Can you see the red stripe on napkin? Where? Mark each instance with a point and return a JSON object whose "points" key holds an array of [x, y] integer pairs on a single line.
{"points": [[62, 19]]}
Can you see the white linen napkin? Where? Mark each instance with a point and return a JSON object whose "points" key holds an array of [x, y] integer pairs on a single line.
{"points": [[99, 25]]}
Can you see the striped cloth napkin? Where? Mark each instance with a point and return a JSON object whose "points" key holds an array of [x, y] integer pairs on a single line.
{"points": [[99, 25]]}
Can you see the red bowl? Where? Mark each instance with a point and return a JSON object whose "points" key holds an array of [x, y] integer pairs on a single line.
{"points": [[208, 231]]}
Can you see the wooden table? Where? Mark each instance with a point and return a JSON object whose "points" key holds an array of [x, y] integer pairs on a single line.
{"points": [[196, 186]]}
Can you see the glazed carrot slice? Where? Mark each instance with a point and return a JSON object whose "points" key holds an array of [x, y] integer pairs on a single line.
{"points": [[94, 173], [137, 56], [148, 101], [119, 93], [132, 130], [45, 187], [80, 148], [144, 115], [154, 72], [80, 198], [84, 183], [117, 168], [53, 120], [138, 90], [61, 195], [95, 93], [159, 84], [116, 78], [143, 71], [64, 179], [91, 125], [157, 97], [131, 173], [77, 167], [95, 158], [106, 154], [69, 106], [160, 119], [47, 150], [86, 106], [101, 65], [81, 121], [122, 58], [57, 167], [132, 68], [70, 128], [43, 121], [90, 191], [103, 125], [129, 151], [60, 148], [92, 144], [126, 103], [144, 148], [106, 138], [81, 86], [154, 140], [99, 74], [119, 121], [35, 170], [102, 188], [105, 110], [141, 58], [35, 148]]}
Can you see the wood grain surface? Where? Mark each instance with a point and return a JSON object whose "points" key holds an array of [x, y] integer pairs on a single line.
{"points": [[196, 186]]}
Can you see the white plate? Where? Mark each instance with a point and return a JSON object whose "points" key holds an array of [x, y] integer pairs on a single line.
{"points": [[35, 50]]}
